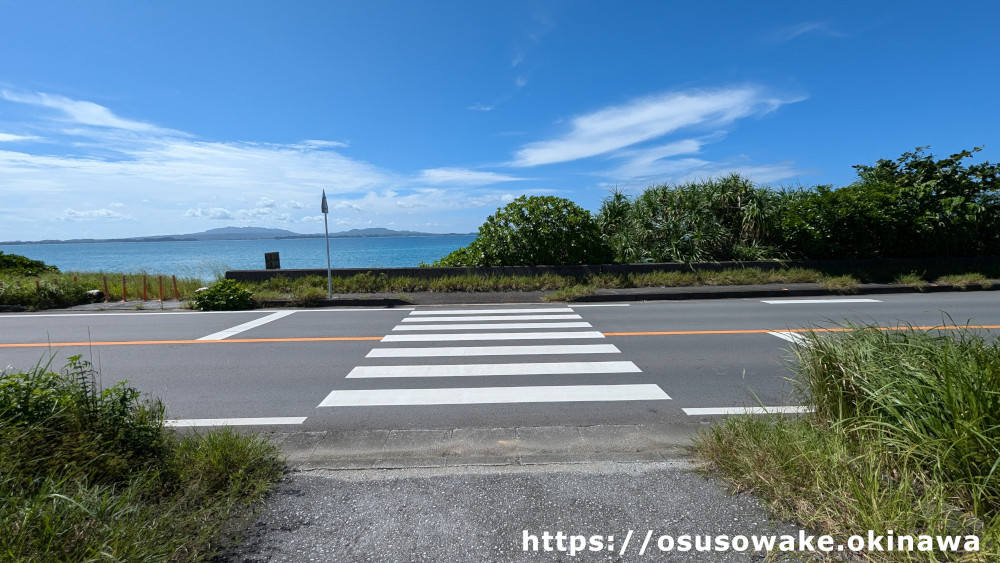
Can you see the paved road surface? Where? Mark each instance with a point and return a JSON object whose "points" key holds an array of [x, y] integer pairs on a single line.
{"points": [[473, 366]]}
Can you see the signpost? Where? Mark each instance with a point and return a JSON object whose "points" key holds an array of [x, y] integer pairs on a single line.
{"points": [[326, 227]]}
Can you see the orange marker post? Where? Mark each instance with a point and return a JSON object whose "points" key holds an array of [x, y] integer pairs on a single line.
{"points": [[107, 294]]}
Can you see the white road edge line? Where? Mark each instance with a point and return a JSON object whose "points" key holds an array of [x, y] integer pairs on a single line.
{"points": [[223, 334], [485, 395], [819, 301], [491, 336], [793, 337], [187, 422], [747, 410], [473, 370], [454, 351]]}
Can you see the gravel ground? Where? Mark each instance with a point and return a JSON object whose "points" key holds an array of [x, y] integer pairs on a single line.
{"points": [[481, 513]]}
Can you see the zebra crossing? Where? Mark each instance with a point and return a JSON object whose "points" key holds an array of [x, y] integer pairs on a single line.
{"points": [[480, 337]]}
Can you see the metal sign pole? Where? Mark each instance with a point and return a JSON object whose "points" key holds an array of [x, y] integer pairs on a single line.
{"points": [[326, 228]]}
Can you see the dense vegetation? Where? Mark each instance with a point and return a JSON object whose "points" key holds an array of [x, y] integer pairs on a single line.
{"points": [[914, 206], [52, 289], [905, 437], [535, 230], [90, 474], [14, 265]]}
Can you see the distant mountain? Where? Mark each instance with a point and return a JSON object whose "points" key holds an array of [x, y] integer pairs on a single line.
{"points": [[373, 232], [240, 233], [245, 233]]}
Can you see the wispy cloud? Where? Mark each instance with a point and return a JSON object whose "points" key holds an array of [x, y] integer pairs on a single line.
{"points": [[91, 214], [11, 138], [802, 28], [251, 214], [82, 112], [614, 128], [463, 176]]}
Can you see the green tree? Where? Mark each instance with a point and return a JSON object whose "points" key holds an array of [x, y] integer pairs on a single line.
{"points": [[914, 206], [530, 231], [726, 218]]}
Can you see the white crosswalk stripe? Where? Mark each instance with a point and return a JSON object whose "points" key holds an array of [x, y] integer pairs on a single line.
{"points": [[467, 370], [491, 318], [450, 351], [449, 337], [484, 395], [495, 325]]}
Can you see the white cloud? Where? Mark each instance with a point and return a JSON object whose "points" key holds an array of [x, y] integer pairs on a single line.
{"points": [[481, 107], [81, 112], [116, 205], [266, 202], [74, 215], [802, 28], [211, 213], [11, 138], [463, 176], [645, 163], [296, 205], [644, 119], [319, 144]]}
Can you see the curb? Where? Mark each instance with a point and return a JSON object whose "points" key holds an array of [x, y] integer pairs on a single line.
{"points": [[790, 290], [629, 294], [459, 447]]}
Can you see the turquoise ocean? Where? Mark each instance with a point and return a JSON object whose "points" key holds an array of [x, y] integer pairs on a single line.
{"points": [[207, 259]]}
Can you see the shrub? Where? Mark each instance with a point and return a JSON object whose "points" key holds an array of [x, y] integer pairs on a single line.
{"points": [[225, 295], [91, 474], [914, 206], [65, 423], [718, 219], [16, 265], [531, 231], [47, 295]]}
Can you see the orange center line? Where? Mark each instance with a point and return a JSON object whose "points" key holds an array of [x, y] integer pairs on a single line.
{"points": [[229, 341]]}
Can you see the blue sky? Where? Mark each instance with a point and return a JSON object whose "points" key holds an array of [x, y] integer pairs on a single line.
{"points": [[141, 118]]}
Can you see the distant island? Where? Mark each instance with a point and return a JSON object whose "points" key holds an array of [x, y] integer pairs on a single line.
{"points": [[246, 233]]}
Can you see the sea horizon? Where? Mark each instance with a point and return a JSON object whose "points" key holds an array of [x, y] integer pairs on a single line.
{"points": [[209, 259]]}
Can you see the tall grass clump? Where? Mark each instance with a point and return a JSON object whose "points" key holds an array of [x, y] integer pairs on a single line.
{"points": [[931, 397], [905, 436], [89, 473]]}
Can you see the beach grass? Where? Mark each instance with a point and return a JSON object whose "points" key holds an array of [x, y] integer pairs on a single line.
{"points": [[905, 436], [90, 473]]}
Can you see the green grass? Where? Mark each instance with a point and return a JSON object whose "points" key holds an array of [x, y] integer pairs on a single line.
{"points": [[905, 436], [63, 290], [54, 290], [963, 281], [840, 284], [91, 474], [913, 280], [571, 293]]}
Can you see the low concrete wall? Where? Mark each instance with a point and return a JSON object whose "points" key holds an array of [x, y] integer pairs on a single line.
{"points": [[887, 268]]}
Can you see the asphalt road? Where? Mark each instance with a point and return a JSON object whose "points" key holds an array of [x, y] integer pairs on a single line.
{"points": [[467, 366]]}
